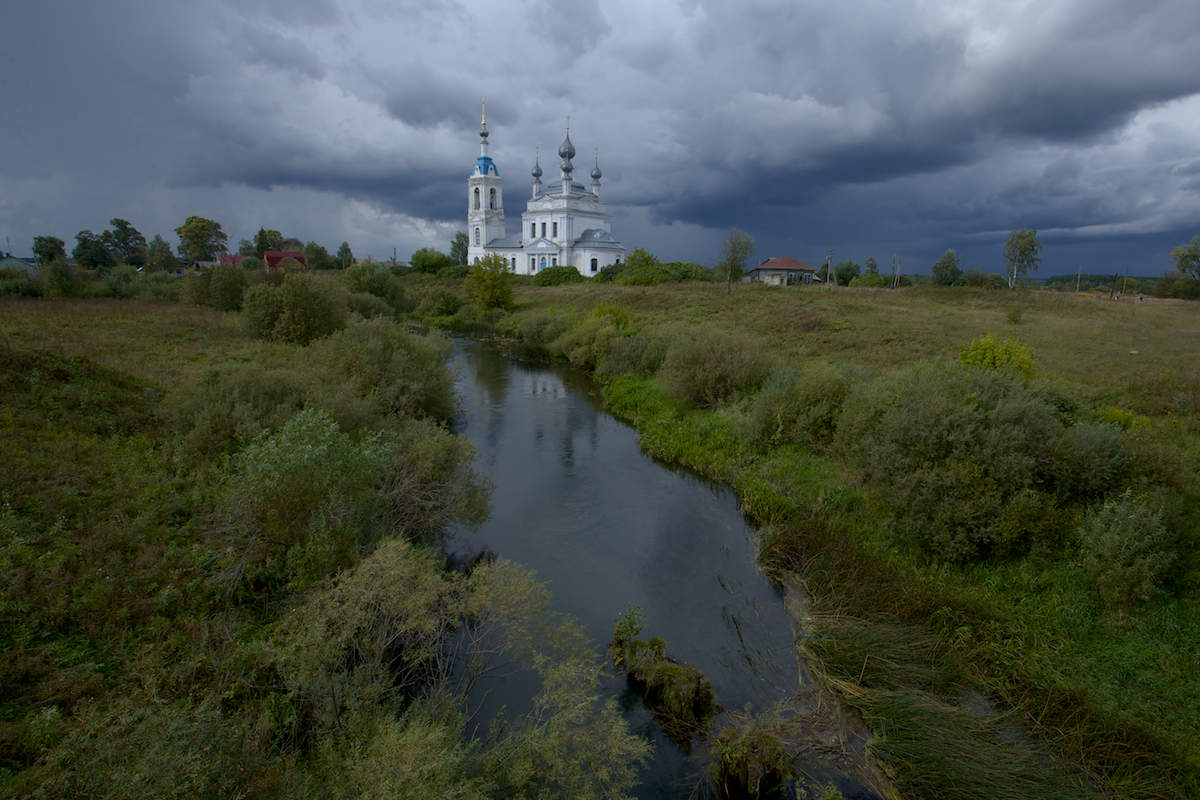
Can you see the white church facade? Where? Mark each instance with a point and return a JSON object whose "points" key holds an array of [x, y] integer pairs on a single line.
{"points": [[564, 223]]}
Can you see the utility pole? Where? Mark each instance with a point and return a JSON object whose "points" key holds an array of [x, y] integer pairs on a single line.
{"points": [[829, 279], [1078, 272], [895, 270]]}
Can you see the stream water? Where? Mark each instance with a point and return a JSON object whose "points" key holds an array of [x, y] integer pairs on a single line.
{"points": [[606, 527]]}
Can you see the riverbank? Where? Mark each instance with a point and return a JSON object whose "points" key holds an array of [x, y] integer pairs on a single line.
{"points": [[952, 659], [223, 575]]}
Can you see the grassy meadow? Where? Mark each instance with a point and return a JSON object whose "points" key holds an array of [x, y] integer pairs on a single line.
{"points": [[222, 574], [207, 498], [953, 648]]}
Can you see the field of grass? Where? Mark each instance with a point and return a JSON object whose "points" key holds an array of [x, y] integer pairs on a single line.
{"points": [[221, 576], [1112, 691], [145, 591]]}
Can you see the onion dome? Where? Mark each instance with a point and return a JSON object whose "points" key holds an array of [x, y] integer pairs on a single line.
{"points": [[537, 167], [566, 150], [596, 173]]}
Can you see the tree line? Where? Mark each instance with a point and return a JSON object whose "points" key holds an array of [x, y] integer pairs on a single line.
{"points": [[200, 240]]}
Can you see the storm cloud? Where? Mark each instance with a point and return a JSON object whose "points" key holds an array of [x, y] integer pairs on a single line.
{"points": [[871, 128]]}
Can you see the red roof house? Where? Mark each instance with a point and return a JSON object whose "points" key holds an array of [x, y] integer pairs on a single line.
{"points": [[781, 272], [273, 259]]}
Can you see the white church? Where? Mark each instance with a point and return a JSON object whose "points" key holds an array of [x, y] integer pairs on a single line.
{"points": [[564, 224]]}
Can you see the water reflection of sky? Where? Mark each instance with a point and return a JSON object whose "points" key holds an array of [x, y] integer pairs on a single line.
{"points": [[605, 527]]}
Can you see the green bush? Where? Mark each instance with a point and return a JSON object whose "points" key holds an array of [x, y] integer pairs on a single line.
{"points": [[262, 307], [1091, 458], [124, 281], [966, 457], [637, 354], [537, 331], [226, 286], [489, 283], [710, 366], [869, 281], [440, 302], [195, 287], [373, 370], [1127, 550], [61, 280], [373, 278], [18, 284], [988, 351], [798, 406], [586, 343], [310, 491], [643, 269], [297, 311], [162, 286], [454, 272], [610, 273], [368, 305], [556, 276], [228, 407]]}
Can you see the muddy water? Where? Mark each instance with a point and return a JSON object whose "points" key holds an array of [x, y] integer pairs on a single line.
{"points": [[606, 527]]}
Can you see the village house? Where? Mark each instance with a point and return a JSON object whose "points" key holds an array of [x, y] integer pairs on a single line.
{"points": [[781, 272]]}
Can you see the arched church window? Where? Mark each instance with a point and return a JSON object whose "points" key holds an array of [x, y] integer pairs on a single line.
{"points": [[595, 263], [477, 237], [491, 198], [476, 200], [555, 229]]}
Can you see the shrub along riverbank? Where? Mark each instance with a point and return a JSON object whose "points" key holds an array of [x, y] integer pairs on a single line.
{"points": [[222, 576], [995, 513], [998, 534]]}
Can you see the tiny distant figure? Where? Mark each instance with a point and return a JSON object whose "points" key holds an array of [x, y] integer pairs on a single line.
{"points": [[1141, 297]]}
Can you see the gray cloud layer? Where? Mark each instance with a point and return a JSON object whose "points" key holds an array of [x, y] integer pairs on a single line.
{"points": [[869, 127]]}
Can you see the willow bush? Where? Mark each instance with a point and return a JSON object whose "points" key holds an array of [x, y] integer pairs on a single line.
{"points": [[979, 462]]}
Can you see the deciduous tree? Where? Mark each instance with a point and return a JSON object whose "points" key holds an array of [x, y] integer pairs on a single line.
{"points": [[846, 271], [429, 260], [345, 255], [1187, 258], [489, 283], [91, 251], [200, 239], [1022, 253], [946, 270], [126, 242], [48, 249], [318, 257], [458, 248], [738, 247], [266, 239], [159, 255]]}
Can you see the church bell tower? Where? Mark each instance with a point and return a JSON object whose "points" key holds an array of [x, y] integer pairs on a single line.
{"points": [[485, 199]]}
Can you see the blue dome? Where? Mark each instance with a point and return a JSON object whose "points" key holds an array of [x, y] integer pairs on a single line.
{"points": [[485, 166], [566, 150]]}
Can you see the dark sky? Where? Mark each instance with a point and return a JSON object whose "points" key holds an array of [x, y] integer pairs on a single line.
{"points": [[873, 128]]}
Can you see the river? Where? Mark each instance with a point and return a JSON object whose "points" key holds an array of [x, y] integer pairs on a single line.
{"points": [[606, 527]]}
